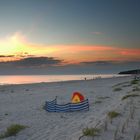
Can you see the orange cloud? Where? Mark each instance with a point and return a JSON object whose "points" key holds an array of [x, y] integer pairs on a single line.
{"points": [[18, 46], [130, 52]]}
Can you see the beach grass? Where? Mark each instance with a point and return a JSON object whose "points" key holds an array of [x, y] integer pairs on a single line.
{"points": [[12, 130], [121, 84], [136, 136], [117, 89], [136, 89], [104, 97], [91, 132], [98, 102], [113, 114], [133, 82], [129, 95]]}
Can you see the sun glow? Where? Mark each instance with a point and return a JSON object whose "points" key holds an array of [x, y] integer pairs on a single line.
{"points": [[17, 43], [18, 46], [11, 45]]}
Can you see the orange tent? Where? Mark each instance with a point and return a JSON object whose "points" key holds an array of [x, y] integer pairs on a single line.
{"points": [[77, 97]]}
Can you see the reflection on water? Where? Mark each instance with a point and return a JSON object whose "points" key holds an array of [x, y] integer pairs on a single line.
{"points": [[22, 79]]}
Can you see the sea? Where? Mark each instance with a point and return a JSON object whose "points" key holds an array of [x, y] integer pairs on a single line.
{"points": [[25, 79]]}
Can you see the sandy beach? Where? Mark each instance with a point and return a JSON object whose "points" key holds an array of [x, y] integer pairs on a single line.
{"points": [[23, 104]]}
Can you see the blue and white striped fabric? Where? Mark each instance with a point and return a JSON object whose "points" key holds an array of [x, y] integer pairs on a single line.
{"points": [[52, 106]]}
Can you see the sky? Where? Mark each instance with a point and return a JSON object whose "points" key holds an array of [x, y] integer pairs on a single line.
{"points": [[69, 36]]}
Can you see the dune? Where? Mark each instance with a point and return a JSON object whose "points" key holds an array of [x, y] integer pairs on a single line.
{"points": [[23, 104]]}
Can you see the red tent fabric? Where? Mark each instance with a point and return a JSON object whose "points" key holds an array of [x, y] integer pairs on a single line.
{"points": [[77, 97]]}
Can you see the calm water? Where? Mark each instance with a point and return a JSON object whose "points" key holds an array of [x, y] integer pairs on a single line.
{"points": [[22, 79]]}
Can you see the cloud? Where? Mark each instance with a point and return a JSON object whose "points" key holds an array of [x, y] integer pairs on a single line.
{"points": [[2, 56], [98, 62], [33, 62], [16, 47], [105, 63], [130, 52], [50, 65]]}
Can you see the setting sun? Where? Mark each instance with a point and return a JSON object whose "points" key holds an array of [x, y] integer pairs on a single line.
{"points": [[12, 45]]}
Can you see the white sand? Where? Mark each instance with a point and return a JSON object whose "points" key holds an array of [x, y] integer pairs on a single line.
{"points": [[22, 104]]}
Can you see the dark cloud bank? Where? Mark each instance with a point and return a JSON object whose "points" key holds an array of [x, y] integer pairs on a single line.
{"points": [[37, 62], [32, 62], [51, 65]]}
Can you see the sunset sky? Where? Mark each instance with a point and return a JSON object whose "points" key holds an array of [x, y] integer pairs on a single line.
{"points": [[51, 35]]}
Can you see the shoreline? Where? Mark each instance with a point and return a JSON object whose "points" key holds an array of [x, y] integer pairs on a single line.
{"points": [[67, 81]]}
